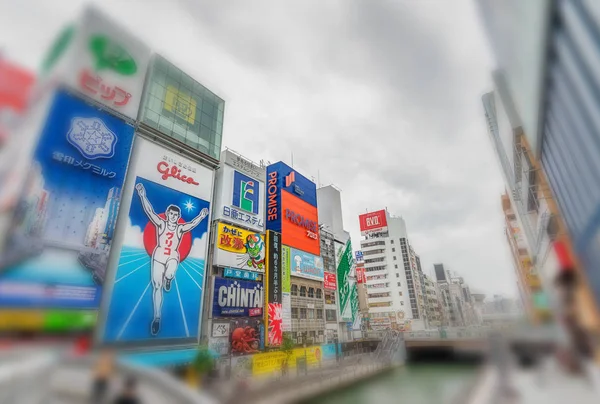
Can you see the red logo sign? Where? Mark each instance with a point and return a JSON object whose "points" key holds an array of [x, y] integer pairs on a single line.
{"points": [[255, 311], [360, 275], [329, 281], [173, 171], [93, 84], [372, 221]]}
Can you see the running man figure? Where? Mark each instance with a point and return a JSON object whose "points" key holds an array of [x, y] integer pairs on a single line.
{"points": [[165, 257]]}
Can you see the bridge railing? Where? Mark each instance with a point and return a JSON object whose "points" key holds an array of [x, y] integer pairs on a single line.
{"points": [[446, 333]]}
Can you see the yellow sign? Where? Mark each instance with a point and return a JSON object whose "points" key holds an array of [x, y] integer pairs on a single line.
{"points": [[234, 239], [181, 104], [24, 320], [269, 362]]}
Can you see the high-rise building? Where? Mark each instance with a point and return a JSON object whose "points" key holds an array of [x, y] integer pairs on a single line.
{"points": [[457, 301], [393, 273], [546, 52], [433, 304]]}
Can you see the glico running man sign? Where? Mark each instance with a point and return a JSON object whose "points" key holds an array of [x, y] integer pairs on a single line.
{"points": [[159, 274]]}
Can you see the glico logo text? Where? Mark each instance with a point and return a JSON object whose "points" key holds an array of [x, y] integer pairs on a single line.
{"points": [[272, 196], [173, 171], [311, 226]]}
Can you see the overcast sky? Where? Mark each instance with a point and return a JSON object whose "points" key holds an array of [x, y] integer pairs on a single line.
{"points": [[380, 98]]}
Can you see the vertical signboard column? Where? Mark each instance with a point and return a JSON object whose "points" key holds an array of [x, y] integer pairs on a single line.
{"points": [[286, 286], [273, 283], [157, 281], [344, 263]]}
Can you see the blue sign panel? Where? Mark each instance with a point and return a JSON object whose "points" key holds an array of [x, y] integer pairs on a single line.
{"points": [[306, 265], [63, 230], [233, 298], [240, 274], [293, 182], [246, 192]]}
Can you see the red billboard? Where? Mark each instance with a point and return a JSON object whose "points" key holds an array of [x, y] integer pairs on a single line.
{"points": [[360, 275], [299, 224], [372, 221], [329, 281], [15, 85]]}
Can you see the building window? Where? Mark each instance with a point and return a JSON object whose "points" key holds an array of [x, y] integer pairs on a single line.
{"points": [[311, 292], [329, 297], [319, 294], [311, 314], [294, 290], [402, 303], [400, 293], [396, 266], [302, 291], [303, 313], [394, 258], [397, 276], [399, 284], [319, 314], [294, 312], [392, 241], [331, 315], [313, 335], [294, 336], [393, 250]]}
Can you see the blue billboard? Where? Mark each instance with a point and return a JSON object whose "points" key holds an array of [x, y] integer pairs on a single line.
{"points": [[155, 286], [237, 298], [305, 265], [63, 228]]}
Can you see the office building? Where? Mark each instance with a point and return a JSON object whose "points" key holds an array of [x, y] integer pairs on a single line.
{"points": [[392, 272]]}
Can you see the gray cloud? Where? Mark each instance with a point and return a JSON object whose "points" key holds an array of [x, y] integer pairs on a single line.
{"points": [[381, 98]]}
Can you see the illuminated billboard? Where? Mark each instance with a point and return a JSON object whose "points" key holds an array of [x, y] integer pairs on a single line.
{"points": [[292, 208], [239, 248], [158, 274], [273, 288], [373, 222], [237, 298], [63, 232], [305, 265], [240, 192]]}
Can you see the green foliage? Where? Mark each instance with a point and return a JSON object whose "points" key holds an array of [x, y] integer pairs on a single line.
{"points": [[204, 362], [287, 345]]}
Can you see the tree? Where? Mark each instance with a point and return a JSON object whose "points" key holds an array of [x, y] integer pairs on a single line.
{"points": [[203, 363], [287, 347]]}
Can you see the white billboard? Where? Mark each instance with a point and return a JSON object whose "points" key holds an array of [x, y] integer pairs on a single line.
{"points": [[101, 60], [240, 192]]}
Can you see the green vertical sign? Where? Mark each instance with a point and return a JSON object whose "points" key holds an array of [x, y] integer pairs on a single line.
{"points": [[354, 302], [286, 285], [344, 265]]}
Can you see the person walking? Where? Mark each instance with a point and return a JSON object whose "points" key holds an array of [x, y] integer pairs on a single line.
{"points": [[129, 393], [102, 374]]}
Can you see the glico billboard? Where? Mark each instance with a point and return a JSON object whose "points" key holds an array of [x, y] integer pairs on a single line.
{"points": [[292, 208]]}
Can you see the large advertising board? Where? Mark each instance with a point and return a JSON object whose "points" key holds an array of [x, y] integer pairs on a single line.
{"points": [[101, 60], [292, 208], [344, 263], [61, 235], [239, 248], [158, 275], [273, 285], [237, 298], [269, 362], [247, 336], [240, 192], [372, 222], [305, 265], [329, 281]]}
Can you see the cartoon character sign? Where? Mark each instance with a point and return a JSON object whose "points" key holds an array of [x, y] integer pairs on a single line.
{"points": [[255, 248], [158, 278], [169, 231], [239, 248]]}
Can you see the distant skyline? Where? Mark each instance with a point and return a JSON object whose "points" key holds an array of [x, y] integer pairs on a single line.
{"points": [[382, 99]]}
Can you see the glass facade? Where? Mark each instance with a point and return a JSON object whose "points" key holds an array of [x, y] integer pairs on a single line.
{"points": [[183, 109], [571, 137]]}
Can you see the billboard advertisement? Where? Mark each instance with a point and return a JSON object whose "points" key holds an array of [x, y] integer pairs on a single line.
{"points": [[286, 286], [63, 229], [239, 248], [237, 298], [240, 192], [158, 274], [360, 274], [292, 208], [372, 222], [269, 362], [344, 267], [329, 281], [101, 60], [273, 284], [300, 224], [305, 265], [247, 336]]}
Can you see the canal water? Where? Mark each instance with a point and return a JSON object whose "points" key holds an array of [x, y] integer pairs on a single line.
{"points": [[424, 383]]}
